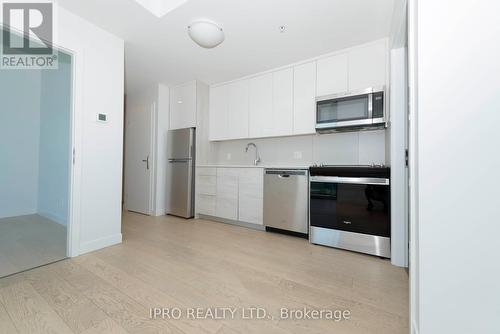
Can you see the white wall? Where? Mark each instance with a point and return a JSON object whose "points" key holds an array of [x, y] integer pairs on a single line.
{"points": [[457, 105], [99, 87], [161, 163], [97, 176], [19, 136], [364, 147]]}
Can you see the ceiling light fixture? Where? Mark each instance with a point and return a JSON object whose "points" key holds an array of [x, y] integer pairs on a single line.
{"points": [[206, 34]]}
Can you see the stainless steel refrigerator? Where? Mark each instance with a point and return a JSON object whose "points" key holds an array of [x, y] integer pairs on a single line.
{"points": [[180, 170]]}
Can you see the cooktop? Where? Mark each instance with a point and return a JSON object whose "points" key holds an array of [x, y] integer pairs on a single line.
{"points": [[379, 171]]}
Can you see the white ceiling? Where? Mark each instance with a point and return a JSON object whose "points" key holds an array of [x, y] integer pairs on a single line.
{"points": [[160, 50]]}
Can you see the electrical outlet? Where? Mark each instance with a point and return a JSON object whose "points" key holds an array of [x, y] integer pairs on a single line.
{"points": [[228, 156], [297, 155]]}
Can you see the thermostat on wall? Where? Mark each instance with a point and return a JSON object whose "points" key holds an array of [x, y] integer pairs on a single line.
{"points": [[103, 118]]}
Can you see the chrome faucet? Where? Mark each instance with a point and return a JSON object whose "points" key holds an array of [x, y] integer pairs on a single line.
{"points": [[257, 158]]}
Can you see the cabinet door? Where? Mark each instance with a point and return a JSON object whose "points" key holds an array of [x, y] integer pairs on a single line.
{"points": [[282, 116], [261, 105], [304, 98], [367, 66], [183, 106], [227, 193], [206, 183], [217, 114], [206, 204], [332, 75], [237, 111], [250, 195], [206, 180]]}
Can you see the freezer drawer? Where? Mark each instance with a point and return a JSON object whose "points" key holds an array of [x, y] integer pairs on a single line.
{"points": [[181, 199], [286, 200]]}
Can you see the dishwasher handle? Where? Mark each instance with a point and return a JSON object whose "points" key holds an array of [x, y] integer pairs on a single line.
{"points": [[286, 173]]}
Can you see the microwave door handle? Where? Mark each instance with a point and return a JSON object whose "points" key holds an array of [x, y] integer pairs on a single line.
{"points": [[370, 106]]}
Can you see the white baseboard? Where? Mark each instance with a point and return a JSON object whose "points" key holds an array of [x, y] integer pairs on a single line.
{"points": [[90, 246], [233, 222], [160, 212], [55, 218], [414, 329]]}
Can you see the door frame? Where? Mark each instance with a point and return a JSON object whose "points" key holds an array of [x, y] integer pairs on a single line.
{"points": [[414, 258], [75, 51], [76, 125], [151, 193]]}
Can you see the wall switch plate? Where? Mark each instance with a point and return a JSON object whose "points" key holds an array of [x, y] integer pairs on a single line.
{"points": [[297, 155], [228, 156]]}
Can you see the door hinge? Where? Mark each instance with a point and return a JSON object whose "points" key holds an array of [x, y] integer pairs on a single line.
{"points": [[73, 155], [406, 157]]}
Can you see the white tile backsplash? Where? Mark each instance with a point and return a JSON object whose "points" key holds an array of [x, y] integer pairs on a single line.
{"points": [[372, 147], [337, 148]]}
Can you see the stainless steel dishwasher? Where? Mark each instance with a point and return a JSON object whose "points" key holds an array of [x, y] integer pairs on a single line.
{"points": [[286, 201]]}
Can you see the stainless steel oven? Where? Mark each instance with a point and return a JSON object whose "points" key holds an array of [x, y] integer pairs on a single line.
{"points": [[350, 208], [353, 110]]}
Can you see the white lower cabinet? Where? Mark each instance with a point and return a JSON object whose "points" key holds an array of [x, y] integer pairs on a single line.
{"points": [[251, 195], [231, 193], [206, 189], [226, 204], [206, 204]]}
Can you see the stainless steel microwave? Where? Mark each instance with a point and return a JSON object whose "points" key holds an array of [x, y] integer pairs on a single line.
{"points": [[353, 110]]}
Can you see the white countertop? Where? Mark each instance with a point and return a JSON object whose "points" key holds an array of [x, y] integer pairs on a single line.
{"points": [[252, 166]]}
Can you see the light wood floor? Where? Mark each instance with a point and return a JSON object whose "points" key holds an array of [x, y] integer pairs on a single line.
{"points": [[30, 241], [170, 262]]}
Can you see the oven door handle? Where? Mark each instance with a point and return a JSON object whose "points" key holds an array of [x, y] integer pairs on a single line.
{"points": [[350, 180]]}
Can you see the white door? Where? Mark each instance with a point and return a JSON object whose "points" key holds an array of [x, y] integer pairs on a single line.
{"points": [[138, 158]]}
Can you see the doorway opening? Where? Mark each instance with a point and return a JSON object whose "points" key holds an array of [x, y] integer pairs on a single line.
{"points": [[35, 164]]}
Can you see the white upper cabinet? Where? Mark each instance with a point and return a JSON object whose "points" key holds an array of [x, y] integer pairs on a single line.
{"points": [[282, 113], [304, 98], [237, 110], [183, 106], [367, 66], [283, 102], [218, 113], [261, 106], [332, 75]]}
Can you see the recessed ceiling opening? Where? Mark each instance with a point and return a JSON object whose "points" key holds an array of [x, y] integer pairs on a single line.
{"points": [[160, 8]]}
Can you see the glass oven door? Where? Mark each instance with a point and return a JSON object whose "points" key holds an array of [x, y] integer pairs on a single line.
{"points": [[351, 204]]}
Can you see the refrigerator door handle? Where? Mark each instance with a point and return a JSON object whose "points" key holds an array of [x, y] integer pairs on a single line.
{"points": [[172, 161]]}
